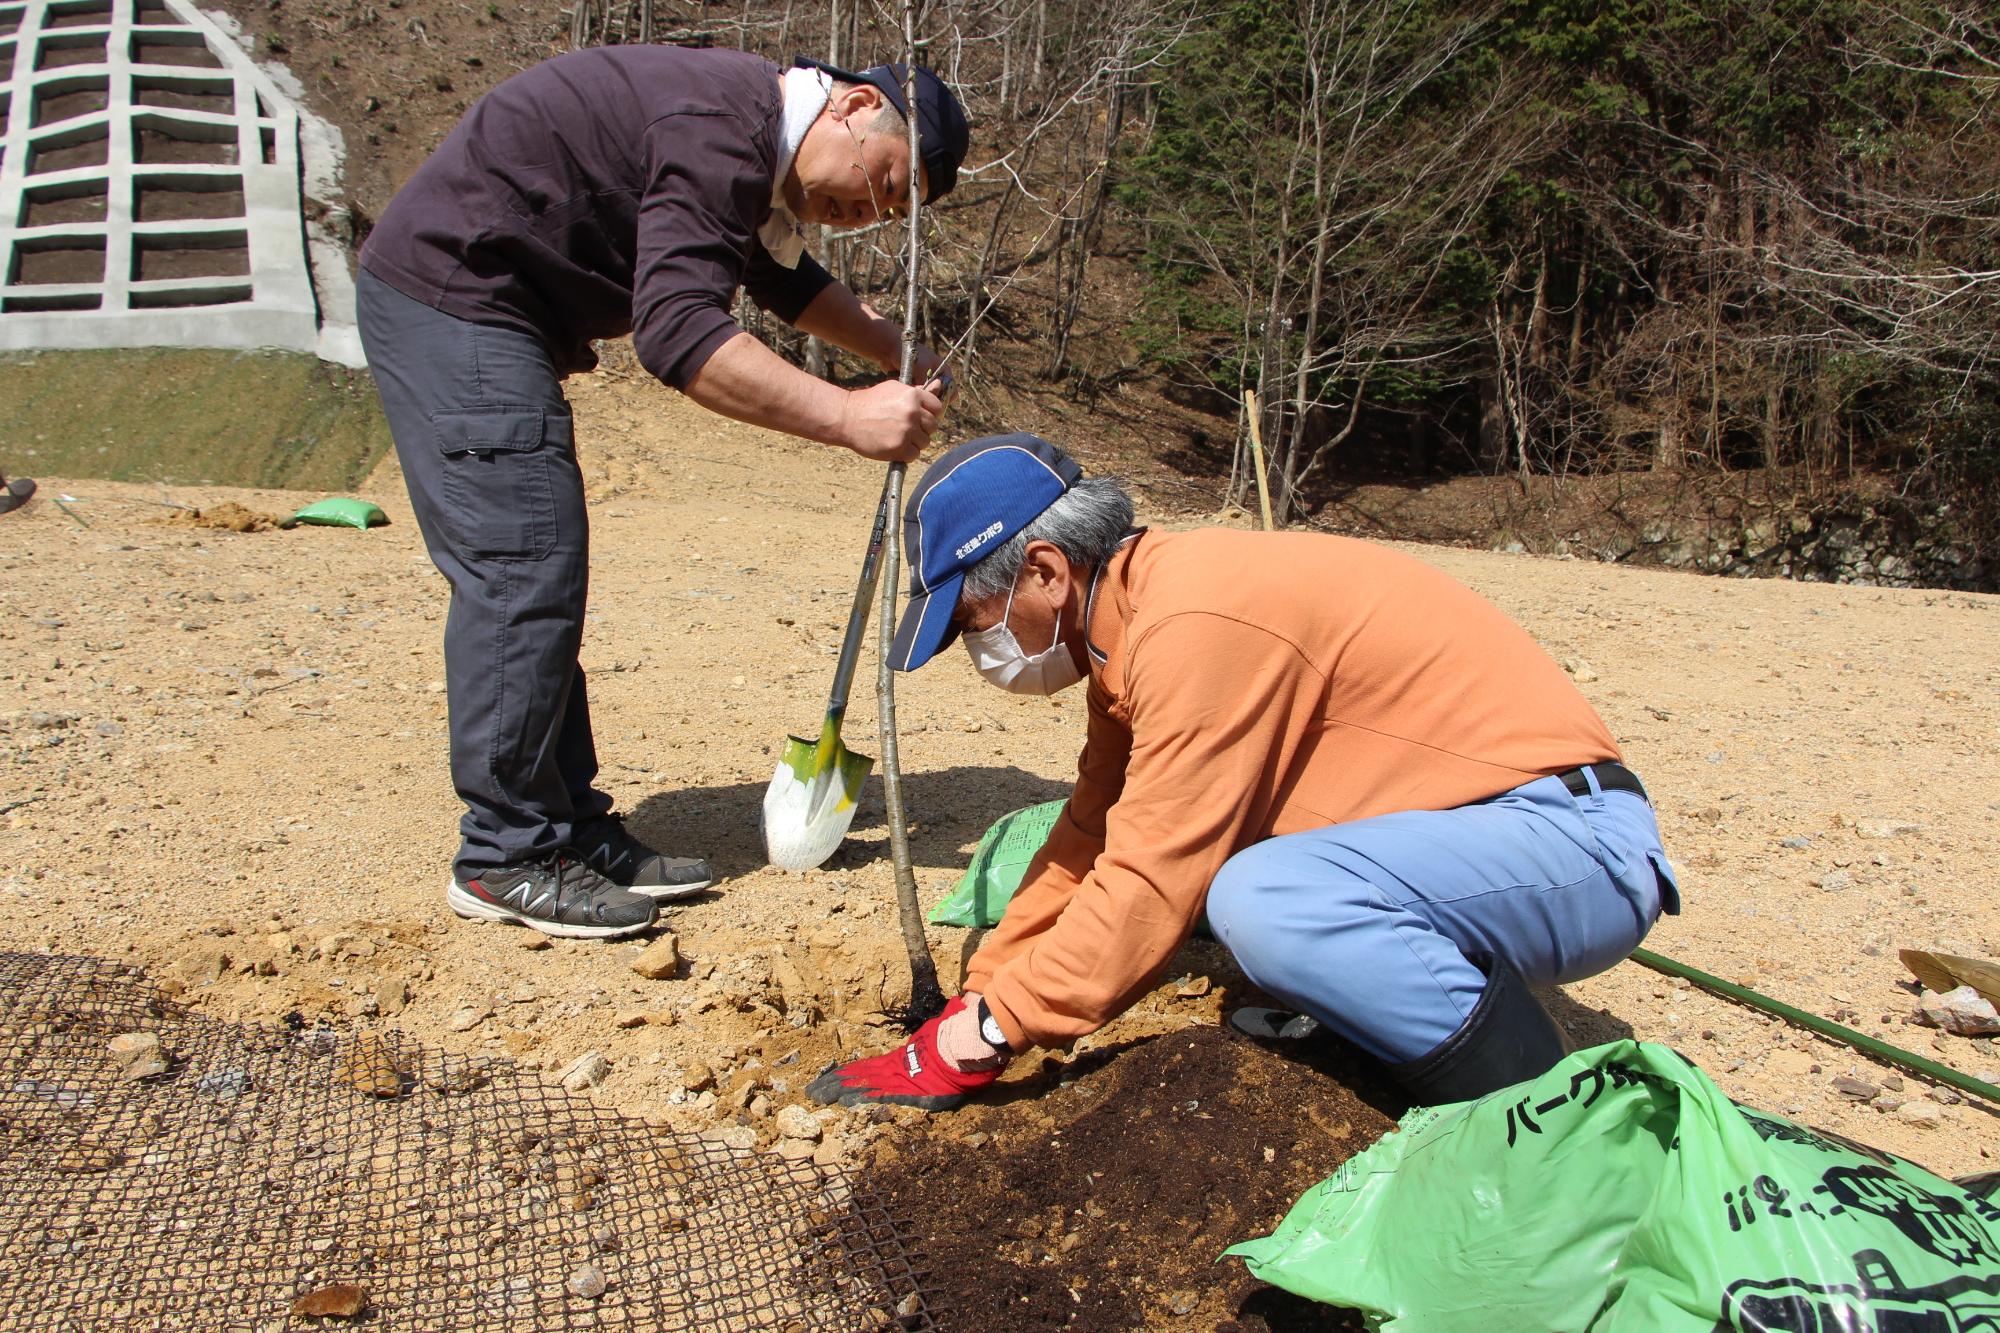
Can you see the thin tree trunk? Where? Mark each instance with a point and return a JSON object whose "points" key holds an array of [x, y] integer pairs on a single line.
{"points": [[983, 274], [926, 997], [1034, 70], [1084, 238], [1538, 309], [1669, 446], [1283, 502], [1272, 373], [1492, 423], [1771, 439], [1576, 315], [1007, 69], [1239, 458]]}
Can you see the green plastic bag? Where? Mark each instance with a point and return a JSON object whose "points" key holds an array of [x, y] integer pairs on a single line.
{"points": [[1622, 1192], [340, 513], [1002, 857]]}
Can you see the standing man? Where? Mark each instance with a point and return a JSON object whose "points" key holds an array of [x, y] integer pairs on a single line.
{"points": [[1396, 811], [616, 190]]}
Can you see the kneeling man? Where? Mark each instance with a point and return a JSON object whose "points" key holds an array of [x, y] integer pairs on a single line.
{"points": [[1396, 810]]}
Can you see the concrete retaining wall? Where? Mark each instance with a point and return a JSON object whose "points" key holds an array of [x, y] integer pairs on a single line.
{"points": [[150, 187]]}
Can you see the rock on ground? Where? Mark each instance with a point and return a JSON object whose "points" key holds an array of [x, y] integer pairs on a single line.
{"points": [[138, 1055], [586, 1071], [1962, 1010], [661, 959], [795, 1122]]}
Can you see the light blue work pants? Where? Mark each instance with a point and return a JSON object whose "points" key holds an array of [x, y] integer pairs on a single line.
{"points": [[1366, 926]]}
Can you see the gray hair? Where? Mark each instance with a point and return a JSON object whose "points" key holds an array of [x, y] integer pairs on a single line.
{"points": [[1085, 523]]}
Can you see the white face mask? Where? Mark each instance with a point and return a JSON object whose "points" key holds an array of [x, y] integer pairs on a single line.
{"points": [[997, 655]]}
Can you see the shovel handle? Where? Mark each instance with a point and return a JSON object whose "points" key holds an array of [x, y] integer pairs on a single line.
{"points": [[871, 564], [864, 595]]}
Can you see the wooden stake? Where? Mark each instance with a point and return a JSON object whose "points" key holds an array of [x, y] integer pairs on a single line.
{"points": [[1257, 456]]}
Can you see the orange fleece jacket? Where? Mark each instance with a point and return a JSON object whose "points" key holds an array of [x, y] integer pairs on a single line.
{"points": [[1245, 685]]}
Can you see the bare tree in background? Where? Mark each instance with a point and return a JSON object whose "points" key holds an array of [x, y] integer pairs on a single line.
{"points": [[1049, 87], [1331, 238], [1786, 291]]}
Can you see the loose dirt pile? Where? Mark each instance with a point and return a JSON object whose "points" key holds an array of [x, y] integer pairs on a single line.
{"points": [[1098, 1194], [226, 517]]}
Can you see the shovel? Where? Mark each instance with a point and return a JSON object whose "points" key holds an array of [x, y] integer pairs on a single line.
{"points": [[810, 802]]}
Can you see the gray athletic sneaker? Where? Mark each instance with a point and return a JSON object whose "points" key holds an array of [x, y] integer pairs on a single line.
{"points": [[559, 896], [630, 864]]}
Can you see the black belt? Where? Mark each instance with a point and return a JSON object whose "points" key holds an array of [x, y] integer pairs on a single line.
{"points": [[1610, 777]]}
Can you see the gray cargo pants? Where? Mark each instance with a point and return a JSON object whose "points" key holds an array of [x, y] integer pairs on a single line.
{"points": [[489, 451]]}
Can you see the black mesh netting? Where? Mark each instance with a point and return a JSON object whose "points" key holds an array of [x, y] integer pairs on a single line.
{"points": [[262, 1165]]}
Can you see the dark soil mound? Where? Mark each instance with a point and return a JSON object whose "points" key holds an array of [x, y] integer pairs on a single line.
{"points": [[1097, 1194]]}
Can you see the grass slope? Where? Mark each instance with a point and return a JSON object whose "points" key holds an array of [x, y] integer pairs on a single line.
{"points": [[271, 419]]}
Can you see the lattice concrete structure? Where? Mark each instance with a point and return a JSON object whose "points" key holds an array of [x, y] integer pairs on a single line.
{"points": [[150, 185]]}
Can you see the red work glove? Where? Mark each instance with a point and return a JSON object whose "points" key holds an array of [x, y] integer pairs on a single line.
{"points": [[914, 1074]]}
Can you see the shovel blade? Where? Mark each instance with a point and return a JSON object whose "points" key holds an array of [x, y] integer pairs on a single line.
{"points": [[810, 803]]}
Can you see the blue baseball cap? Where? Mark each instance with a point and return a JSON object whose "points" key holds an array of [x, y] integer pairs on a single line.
{"points": [[974, 498], [942, 134]]}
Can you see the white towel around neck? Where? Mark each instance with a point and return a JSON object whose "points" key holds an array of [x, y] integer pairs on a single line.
{"points": [[805, 94]]}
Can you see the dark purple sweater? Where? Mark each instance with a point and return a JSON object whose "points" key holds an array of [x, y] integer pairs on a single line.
{"points": [[608, 191]]}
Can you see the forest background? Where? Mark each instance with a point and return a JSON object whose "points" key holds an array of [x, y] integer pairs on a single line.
{"points": [[1714, 285]]}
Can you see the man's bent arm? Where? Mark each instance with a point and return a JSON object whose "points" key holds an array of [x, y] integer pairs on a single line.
{"points": [[840, 317], [1219, 710], [1064, 861], [747, 381]]}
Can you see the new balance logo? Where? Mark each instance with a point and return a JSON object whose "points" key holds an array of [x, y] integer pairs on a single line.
{"points": [[515, 895], [500, 896]]}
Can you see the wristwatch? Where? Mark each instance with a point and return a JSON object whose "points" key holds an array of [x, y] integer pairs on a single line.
{"points": [[989, 1027]]}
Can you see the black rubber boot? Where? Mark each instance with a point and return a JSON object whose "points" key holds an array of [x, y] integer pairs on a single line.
{"points": [[1507, 1038], [1986, 1184], [15, 493]]}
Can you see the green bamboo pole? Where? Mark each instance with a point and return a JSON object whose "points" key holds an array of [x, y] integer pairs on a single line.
{"points": [[1860, 1041]]}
